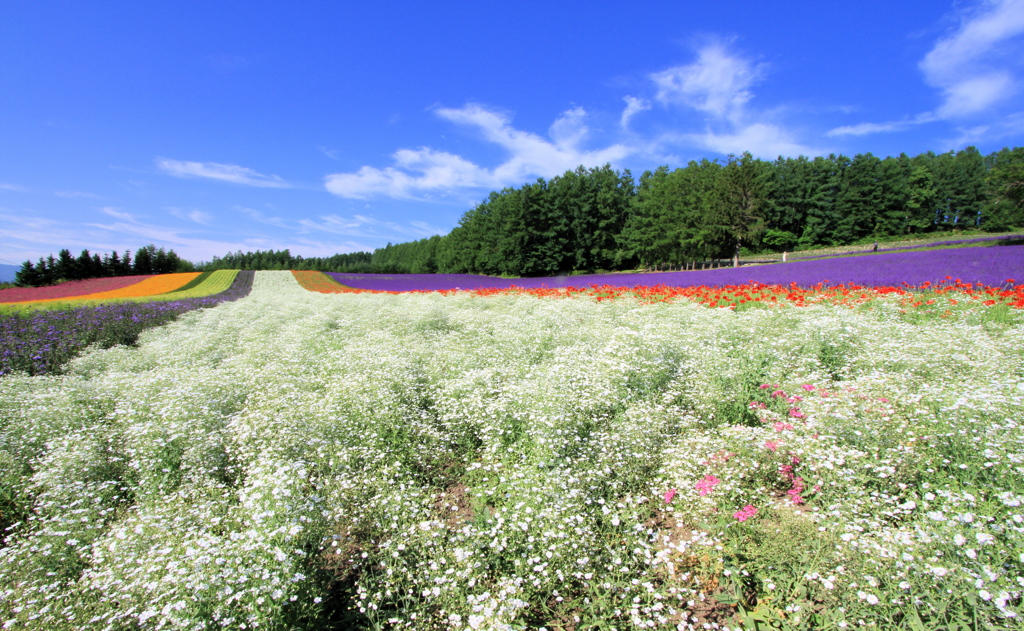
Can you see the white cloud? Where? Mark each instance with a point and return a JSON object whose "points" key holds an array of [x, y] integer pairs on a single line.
{"points": [[762, 140], [862, 129], [12, 187], [417, 172], [117, 214], [76, 194], [198, 216], [633, 107], [718, 83], [223, 172], [256, 215], [972, 66], [977, 68], [367, 227]]}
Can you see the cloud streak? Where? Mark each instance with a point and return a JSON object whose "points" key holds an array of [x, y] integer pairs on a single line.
{"points": [[222, 172], [719, 85], [425, 171], [976, 69], [969, 67]]}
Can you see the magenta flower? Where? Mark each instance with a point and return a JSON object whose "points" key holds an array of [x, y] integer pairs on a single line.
{"points": [[745, 513], [771, 445], [669, 494], [778, 393], [797, 413], [781, 427], [798, 488], [708, 484], [808, 387]]}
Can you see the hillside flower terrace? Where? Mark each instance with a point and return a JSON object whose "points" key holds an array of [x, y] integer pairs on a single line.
{"points": [[317, 456]]}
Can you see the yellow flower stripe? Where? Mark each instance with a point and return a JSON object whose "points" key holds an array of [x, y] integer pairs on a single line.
{"points": [[218, 281]]}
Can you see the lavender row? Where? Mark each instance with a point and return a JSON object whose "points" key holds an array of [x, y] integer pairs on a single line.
{"points": [[990, 266], [41, 342]]}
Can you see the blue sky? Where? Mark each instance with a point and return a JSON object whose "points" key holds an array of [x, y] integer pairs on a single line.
{"points": [[330, 127]]}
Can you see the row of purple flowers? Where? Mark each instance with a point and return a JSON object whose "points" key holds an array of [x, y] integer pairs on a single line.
{"points": [[41, 342], [991, 266]]}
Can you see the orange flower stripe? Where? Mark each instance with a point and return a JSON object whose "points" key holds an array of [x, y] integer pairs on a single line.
{"points": [[152, 286], [324, 284]]}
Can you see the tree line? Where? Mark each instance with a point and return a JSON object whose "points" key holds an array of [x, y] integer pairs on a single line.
{"points": [[51, 269], [601, 219], [592, 219]]}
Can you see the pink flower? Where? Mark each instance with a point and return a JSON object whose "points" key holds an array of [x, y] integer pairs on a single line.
{"points": [[757, 405], [778, 393], [883, 400], [796, 413], [771, 445], [808, 387], [794, 398], [708, 484], [745, 513], [669, 494], [765, 386], [781, 427]]}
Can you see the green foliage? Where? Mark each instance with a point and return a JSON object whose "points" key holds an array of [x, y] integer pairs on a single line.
{"points": [[148, 260]]}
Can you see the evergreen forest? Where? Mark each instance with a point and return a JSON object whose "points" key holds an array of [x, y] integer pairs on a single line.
{"points": [[602, 219]]}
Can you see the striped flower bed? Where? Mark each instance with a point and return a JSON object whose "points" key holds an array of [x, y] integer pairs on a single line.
{"points": [[69, 290], [150, 286]]}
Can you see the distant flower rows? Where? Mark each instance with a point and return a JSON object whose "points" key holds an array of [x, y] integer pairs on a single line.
{"points": [[988, 266], [42, 341]]}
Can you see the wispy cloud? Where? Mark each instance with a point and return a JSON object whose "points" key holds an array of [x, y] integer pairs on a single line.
{"points": [[862, 129], [330, 153], [367, 227], [76, 194], [633, 107], [194, 215], [976, 68], [719, 85], [12, 187], [422, 171], [223, 172], [760, 139], [256, 215]]}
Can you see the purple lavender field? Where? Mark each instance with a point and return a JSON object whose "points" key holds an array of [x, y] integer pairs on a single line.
{"points": [[991, 266], [41, 342]]}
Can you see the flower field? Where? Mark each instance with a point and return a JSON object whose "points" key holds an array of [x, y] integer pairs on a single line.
{"points": [[68, 290], [40, 338], [989, 266], [507, 460]]}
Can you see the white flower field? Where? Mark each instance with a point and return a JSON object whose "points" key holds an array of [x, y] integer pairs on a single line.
{"points": [[296, 460]]}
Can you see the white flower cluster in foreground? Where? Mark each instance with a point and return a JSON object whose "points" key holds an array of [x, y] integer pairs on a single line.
{"points": [[298, 460]]}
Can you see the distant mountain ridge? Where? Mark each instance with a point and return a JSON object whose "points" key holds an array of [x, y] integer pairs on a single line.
{"points": [[7, 273]]}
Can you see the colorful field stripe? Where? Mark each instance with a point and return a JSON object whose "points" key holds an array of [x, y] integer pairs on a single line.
{"points": [[71, 289], [321, 283], [149, 286], [206, 284]]}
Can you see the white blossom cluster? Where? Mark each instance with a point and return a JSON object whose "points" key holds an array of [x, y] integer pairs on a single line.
{"points": [[422, 461]]}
